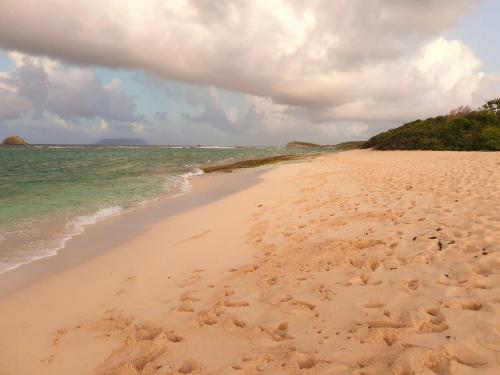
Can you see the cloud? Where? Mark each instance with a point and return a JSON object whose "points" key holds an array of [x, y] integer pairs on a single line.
{"points": [[161, 115], [489, 88], [281, 123], [103, 126], [138, 128], [438, 77], [319, 53], [319, 70], [51, 102], [42, 84], [213, 112], [11, 105]]}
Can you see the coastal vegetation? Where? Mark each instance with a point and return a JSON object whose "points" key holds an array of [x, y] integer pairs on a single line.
{"points": [[461, 130], [352, 145]]}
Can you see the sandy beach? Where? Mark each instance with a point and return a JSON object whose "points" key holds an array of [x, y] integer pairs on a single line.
{"points": [[360, 262]]}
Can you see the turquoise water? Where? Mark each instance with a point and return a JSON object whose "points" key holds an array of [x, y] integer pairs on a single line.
{"points": [[50, 193]]}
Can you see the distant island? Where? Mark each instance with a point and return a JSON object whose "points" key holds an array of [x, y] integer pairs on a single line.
{"points": [[14, 140], [340, 146], [122, 142], [297, 144], [461, 130]]}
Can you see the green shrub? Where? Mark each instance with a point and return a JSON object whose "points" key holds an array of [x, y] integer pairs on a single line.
{"points": [[468, 131]]}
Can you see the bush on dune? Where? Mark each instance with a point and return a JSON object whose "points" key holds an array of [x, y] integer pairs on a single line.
{"points": [[461, 130]]}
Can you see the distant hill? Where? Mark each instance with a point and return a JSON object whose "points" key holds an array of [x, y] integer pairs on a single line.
{"points": [[122, 142], [297, 144], [462, 130]]}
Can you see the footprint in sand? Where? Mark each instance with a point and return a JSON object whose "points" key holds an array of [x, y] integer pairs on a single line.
{"points": [[121, 291], [464, 355], [172, 336], [463, 304], [411, 286], [300, 360], [490, 338], [384, 332], [193, 278], [418, 360], [238, 323], [481, 282], [362, 280], [300, 305], [188, 366], [374, 305], [280, 332], [58, 335], [208, 318], [129, 280], [229, 303], [250, 268], [49, 359], [373, 263], [427, 320], [186, 302], [324, 292]]}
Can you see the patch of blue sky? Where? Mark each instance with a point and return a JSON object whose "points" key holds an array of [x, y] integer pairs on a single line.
{"points": [[480, 31], [154, 95], [6, 64]]}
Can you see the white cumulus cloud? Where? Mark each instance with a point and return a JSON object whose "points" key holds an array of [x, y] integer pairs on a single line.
{"points": [[314, 53], [300, 63], [43, 84]]}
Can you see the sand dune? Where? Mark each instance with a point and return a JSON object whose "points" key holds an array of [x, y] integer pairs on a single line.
{"points": [[361, 262]]}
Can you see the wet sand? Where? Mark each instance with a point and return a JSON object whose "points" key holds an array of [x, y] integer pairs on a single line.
{"points": [[361, 262], [96, 239]]}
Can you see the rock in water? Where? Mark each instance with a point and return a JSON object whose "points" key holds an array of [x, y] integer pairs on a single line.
{"points": [[14, 140]]}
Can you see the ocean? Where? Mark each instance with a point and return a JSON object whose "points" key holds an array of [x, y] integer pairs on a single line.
{"points": [[49, 194]]}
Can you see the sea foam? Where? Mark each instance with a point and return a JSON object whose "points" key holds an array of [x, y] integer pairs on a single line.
{"points": [[52, 247]]}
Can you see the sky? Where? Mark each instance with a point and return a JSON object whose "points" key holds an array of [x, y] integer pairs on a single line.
{"points": [[240, 72]]}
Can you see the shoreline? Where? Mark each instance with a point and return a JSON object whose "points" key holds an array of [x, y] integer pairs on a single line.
{"points": [[74, 229], [205, 189], [351, 261]]}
